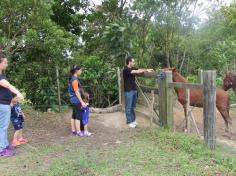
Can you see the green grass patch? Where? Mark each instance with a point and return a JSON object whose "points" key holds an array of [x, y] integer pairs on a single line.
{"points": [[151, 152]]}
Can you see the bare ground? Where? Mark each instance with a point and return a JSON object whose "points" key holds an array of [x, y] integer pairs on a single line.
{"points": [[45, 130], [107, 129], [50, 132], [198, 114]]}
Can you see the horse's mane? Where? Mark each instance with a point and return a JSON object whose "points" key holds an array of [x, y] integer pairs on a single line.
{"points": [[233, 77], [179, 77], [232, 74]]}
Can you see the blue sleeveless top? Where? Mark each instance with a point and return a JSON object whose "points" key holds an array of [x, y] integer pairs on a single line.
{"points": [[73, 97]]}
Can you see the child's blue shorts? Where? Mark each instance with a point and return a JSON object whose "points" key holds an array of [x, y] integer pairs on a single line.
{"points": [[17, 122]]}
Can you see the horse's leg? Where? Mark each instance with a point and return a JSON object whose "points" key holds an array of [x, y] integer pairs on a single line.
{"points": [[228, 121], [231, 124], [185, 116], [224, 115]]}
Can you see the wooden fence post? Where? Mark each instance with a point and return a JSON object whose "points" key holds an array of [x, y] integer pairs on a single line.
{"points": [[122, 91], [119, 85], [152, 107], [161, 98], [187, 115], [58, 88], [209, 110], [200, 71], [166, 100]]}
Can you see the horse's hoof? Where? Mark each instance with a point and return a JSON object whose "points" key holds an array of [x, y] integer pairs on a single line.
{"points": [[226, 135], [232, 136]]}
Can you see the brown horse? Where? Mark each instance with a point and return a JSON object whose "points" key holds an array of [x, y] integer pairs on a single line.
{"points": [[229, 82], [196, 100]]}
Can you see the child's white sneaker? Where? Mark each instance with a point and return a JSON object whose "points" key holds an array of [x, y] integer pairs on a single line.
{"points": [[87, 134]]}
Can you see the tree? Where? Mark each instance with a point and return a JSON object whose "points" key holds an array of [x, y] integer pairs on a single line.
{"points": [[34, 44], [214, 42], [160, 28], [70, 14]]}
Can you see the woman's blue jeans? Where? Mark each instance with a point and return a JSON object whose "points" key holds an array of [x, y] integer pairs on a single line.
{"points": [[5, 113]]}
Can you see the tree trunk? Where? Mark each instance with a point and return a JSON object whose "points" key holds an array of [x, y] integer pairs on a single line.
{"points": [[115, 108]]}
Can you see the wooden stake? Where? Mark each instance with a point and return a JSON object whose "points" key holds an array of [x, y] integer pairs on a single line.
{"points": [[58, 88], [209, 110]]}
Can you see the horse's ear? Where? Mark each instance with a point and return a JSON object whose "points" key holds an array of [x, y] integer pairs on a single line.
{"points": [[174, 69]]}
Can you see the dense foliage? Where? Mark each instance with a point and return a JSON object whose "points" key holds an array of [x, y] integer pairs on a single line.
{"points": [[39, 36]]}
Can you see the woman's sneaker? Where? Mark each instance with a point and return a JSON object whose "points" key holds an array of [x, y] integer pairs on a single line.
{"points": [[7, 152], [87, 134], [10, 147], [74, 133]]}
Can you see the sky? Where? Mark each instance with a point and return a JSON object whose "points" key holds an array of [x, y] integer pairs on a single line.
{"points": [[202, 14], [98, 2]]}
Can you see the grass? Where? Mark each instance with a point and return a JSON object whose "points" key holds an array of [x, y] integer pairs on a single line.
{"points": [[151, 152]]}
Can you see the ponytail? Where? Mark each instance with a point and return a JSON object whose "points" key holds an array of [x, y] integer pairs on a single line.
{"points": [[73, 69]]}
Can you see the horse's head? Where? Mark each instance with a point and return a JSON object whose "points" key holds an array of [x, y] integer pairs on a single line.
{"points": [[176, 76], [228, 81]]}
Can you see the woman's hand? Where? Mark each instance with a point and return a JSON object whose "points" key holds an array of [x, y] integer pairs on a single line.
{"points": [[84, 105], [20, 97]]}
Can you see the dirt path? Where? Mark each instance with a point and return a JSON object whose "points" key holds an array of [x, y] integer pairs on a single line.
{"points": [[198, 114], [54, 128], [50, 138], [109, 128]]}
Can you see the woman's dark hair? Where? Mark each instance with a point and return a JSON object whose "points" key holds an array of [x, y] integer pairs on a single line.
{"points": [[2, 56], [129, 59], [73, 69]]}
